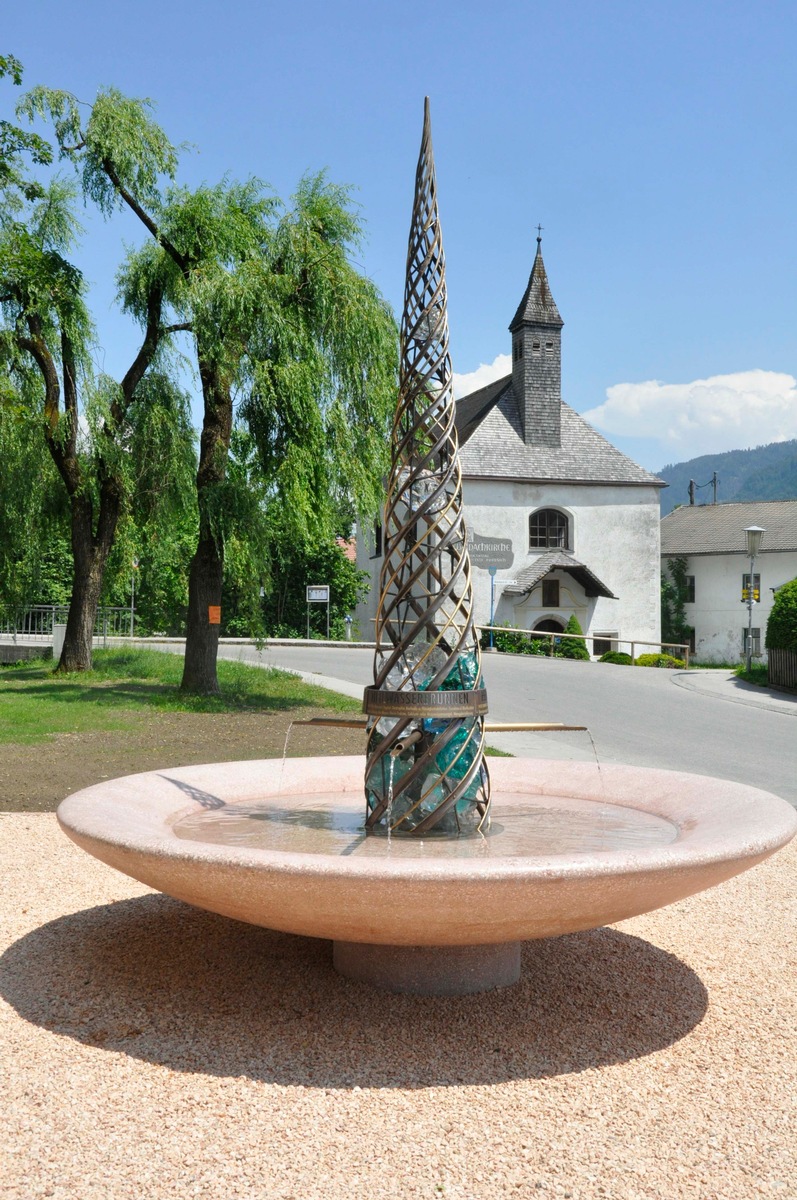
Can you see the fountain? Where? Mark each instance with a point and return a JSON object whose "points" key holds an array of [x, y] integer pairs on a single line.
{"points": [[434, 887]]}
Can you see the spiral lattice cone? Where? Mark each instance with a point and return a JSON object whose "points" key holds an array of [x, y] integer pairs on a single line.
{"points": [[425, 772]]}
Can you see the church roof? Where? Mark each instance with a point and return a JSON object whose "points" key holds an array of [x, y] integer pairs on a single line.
{"points": [[719, 528], [538, 305], [558, 560], [492, 445]]}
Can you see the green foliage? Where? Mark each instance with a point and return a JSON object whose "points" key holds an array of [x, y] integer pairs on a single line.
{"points": [[35, 555], [292, 566], [573, 647], [322, 363], [120, 147], [674, 626], [515, 642], [17, 145], [659, 660], [782, 623], [618, 657]]}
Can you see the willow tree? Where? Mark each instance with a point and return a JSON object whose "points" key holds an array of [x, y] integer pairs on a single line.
{"points": [[46, 347], [282, 323]]}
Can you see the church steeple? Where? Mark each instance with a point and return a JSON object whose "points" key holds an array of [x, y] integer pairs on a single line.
{"points": [[536, 330]]}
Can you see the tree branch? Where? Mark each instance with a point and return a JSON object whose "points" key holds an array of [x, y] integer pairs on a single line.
{"points": [[144, 217], [187, 326], [144, 357], [37, 347], [70, 391]]}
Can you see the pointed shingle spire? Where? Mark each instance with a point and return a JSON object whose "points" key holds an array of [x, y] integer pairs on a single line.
{"points": [[538, 306], [537, 359]]}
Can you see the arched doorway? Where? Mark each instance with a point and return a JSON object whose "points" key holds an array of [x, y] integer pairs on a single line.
{"points": [[549, 625]]}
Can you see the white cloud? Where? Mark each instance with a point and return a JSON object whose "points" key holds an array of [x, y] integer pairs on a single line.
{"points": [[485, 373], [707, 416]]}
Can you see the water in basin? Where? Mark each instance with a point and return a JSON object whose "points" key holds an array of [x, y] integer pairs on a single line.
{"points": [[522, 827]]}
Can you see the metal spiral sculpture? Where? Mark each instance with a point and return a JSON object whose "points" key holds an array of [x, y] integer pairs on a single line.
{"points": [[425, 770]]}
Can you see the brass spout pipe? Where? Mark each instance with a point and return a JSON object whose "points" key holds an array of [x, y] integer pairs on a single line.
{"points": [[339, 722], [409, 740], [489, 727]]}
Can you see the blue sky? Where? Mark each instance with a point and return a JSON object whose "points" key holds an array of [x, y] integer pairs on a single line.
{"points": [[655, 142]]}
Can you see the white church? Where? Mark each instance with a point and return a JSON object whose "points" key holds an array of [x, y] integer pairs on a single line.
{"points": [[559, 521]]}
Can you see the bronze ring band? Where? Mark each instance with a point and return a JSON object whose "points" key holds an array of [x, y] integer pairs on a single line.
{"points": [[447, 705]]}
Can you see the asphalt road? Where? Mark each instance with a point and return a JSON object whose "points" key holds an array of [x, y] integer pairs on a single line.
{"points": [[637, 716]]}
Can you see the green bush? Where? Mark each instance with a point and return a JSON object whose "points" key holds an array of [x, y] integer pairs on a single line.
{"points": [[573, 647], [782, 623], [617, 656], [659, 660], [514, 643]]}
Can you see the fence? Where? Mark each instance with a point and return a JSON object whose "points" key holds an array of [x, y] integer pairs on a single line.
{"points": [[553, 637], [35, 624], [782, 668]]}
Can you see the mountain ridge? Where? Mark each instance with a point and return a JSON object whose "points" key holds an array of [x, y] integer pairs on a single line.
{"points": [[767, 472]]}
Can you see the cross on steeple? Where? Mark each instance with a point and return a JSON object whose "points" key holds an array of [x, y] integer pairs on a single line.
{"points": [[539, 234]]}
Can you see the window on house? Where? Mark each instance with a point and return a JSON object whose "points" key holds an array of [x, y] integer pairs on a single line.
{"points": [[690, 589], [377, 540], [550, 593], [692, 641], [603, 643], [548, 528], [756, 587], [755, 641], [549, 345], [518, 349], [535, 345]]}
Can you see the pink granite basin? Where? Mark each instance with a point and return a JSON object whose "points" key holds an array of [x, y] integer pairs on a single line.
{"points": [[571, 847]]}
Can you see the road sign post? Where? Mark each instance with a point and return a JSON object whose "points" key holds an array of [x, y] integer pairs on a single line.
{"points": [[317, 593]]}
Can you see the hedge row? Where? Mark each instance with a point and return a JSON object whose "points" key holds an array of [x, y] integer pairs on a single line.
{"points": [[782, 623]]}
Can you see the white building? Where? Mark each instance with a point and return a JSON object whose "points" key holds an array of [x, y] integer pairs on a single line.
{"points": [[569, 524], [711, 538]]}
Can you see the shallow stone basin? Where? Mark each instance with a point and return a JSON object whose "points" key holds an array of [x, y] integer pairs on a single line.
{"points": [[572, 846]]}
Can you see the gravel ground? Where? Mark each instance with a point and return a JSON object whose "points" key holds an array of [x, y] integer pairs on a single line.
{"points": [[155, 1051]]}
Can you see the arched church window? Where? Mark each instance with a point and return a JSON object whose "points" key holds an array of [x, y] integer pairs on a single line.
{"points": [[549, 529]]}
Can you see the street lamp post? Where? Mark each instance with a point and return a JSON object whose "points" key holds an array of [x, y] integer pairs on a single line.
{"points": [[754, 534]]}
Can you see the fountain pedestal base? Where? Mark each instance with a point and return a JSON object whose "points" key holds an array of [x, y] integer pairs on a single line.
{"points": [[429, 970]]}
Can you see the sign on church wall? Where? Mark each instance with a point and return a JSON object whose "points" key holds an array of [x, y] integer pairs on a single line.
{"points": [[490, 551]]}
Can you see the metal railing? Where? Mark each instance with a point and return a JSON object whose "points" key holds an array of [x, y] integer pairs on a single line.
{"points": [[554, 636], [35, 623]]}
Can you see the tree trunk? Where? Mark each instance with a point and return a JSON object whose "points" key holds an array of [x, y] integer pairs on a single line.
{"points": [[207, 566], [202, 635], [90, 554]]}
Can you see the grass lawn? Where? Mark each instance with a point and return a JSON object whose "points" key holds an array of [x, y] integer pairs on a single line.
{"points": [[35, 703]]}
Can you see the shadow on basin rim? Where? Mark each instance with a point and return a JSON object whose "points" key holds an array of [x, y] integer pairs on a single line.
{"points": [[166, 983]]}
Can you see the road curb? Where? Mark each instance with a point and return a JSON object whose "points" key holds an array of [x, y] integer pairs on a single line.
{"points": [[690, 682]]}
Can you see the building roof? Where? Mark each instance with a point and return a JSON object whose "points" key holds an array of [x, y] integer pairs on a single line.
{"points": [[492, 445], [538, 306], [719, 528], [558, 560]]}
